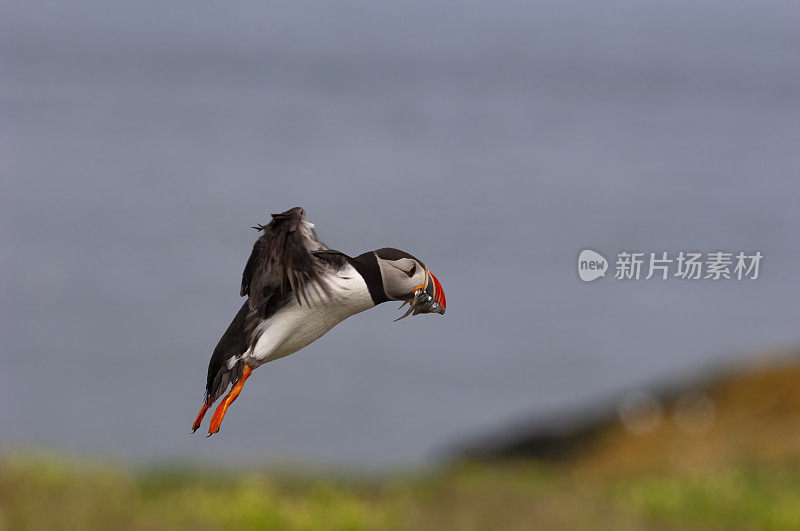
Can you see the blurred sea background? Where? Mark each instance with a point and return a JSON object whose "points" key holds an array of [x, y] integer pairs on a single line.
{"points": [[493, 140]]}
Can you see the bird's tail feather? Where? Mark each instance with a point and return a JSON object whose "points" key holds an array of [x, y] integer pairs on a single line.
{"points": [[226, 365]]}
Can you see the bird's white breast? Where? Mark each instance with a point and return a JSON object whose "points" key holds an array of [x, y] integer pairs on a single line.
{"points": [[297, 325]]}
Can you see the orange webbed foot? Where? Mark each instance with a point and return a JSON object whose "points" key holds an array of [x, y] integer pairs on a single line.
{"points": [[219, 413], [200, 416]]}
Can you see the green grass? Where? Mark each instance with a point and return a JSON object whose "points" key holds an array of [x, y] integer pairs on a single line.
{"points": [[52, 493], [733, 498], [47, 493]]}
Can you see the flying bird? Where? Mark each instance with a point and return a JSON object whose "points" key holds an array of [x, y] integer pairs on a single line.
{"points": [[297, 290]]}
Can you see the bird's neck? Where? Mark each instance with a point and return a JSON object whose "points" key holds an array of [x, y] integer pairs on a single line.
{"points": [[367, 266]]}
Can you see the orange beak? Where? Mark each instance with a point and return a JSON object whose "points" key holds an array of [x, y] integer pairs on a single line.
{"points": [[426, 298], [434, 288]]}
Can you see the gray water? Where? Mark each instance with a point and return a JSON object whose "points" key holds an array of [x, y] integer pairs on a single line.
{"points": [[139, 141]]}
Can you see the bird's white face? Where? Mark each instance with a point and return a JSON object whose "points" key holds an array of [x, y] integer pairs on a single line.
{"points": [[407, 279], [401, 278]]}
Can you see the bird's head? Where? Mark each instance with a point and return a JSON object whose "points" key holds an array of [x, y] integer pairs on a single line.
{"points": [[406, 278]]}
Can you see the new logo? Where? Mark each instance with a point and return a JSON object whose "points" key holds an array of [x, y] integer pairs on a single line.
{"points": [[591, 265]]}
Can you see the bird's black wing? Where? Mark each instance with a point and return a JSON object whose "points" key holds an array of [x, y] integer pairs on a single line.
{"points": [[283, 260]]}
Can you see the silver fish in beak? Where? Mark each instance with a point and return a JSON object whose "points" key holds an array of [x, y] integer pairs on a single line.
{"points": [[428, 298]]}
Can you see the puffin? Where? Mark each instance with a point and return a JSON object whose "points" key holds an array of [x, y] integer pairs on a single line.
{"points": [[298, 289]]}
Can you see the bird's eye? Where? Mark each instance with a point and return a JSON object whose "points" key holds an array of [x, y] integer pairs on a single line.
{"points": [[411, 271]]}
